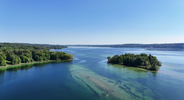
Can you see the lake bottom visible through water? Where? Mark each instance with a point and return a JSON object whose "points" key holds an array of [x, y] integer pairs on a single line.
{"points": [[89, 77]]}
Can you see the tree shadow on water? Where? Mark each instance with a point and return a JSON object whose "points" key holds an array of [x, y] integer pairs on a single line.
{"points": [[24, 67]]}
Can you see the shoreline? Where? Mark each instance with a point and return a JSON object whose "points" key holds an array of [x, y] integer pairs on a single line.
{"points": [[4, 68], [137, 67]]}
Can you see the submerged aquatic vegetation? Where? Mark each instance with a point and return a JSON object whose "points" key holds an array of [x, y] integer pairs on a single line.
{"points": [[106, 88]]}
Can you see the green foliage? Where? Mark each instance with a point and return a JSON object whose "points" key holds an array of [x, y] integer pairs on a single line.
{"points": [[143, 60], [14, 59], [68, 56], [2, 61], [30, 46], [108, 57], [153, 67], [60, 56], [24, 59], [15, 53], [2, 55]]}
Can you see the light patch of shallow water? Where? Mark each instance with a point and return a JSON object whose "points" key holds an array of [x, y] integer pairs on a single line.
{"points": [[107, 88], [125, 71]]}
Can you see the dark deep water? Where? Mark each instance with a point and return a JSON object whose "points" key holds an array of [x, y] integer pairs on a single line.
{"points": [[89, 77]]}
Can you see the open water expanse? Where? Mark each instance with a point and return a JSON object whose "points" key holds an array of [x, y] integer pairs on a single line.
{"points": [[89, 77]]}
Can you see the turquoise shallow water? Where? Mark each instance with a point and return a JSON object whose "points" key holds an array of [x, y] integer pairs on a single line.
{"points": [[89, 77]]}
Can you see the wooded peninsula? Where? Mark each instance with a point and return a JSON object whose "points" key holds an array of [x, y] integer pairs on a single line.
{"points": [[143, 60], [17, 53]]}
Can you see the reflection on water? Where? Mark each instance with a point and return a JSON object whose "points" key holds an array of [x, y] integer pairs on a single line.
{"points": [[27, 66], [19, 67]]}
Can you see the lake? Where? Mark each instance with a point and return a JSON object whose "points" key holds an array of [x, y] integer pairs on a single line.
{"points": [[89, 77]]}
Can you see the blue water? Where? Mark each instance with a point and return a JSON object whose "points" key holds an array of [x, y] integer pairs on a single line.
{"points": [[89, 77]]}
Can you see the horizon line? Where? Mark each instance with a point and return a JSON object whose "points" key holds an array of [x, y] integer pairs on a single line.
{"points": [[96, 44]]}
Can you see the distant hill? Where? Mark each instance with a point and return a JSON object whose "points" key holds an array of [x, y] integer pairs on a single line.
{"points": [[169, 46], [30, 46]]}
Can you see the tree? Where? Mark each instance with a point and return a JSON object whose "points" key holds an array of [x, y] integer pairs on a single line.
{"points": [[142, 60], [153, 67], [2, 61], [14, 59], [138, 61], [108, 58], [24, 59], [14, 53]]}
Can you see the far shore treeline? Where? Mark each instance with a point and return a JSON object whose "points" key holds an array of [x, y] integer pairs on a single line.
{"points": [[168, 46], [143, 60], [16, 53]]}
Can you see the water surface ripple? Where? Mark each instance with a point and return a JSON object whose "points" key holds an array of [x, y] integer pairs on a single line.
{"points": [[89, 77]]}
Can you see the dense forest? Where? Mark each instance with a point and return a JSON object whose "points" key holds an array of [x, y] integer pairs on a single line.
{"points": [[171, 46], [30, 46], [143, 61], [16, 53]]}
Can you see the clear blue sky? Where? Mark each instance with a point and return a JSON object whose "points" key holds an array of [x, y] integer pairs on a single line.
{"points": [[92, 21]]}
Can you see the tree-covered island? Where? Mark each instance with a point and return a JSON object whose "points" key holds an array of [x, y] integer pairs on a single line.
{"points": [[143, 60], [17, 53]]}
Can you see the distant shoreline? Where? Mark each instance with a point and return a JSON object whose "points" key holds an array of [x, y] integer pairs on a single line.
{"points": [[3, 68], [165, 47]]}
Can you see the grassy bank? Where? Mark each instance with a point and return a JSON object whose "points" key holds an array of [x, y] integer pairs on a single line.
{"points": [[27, 65]]}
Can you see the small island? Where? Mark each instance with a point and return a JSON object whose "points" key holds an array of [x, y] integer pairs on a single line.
{"points": [[13, 54], [142, 60]]}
